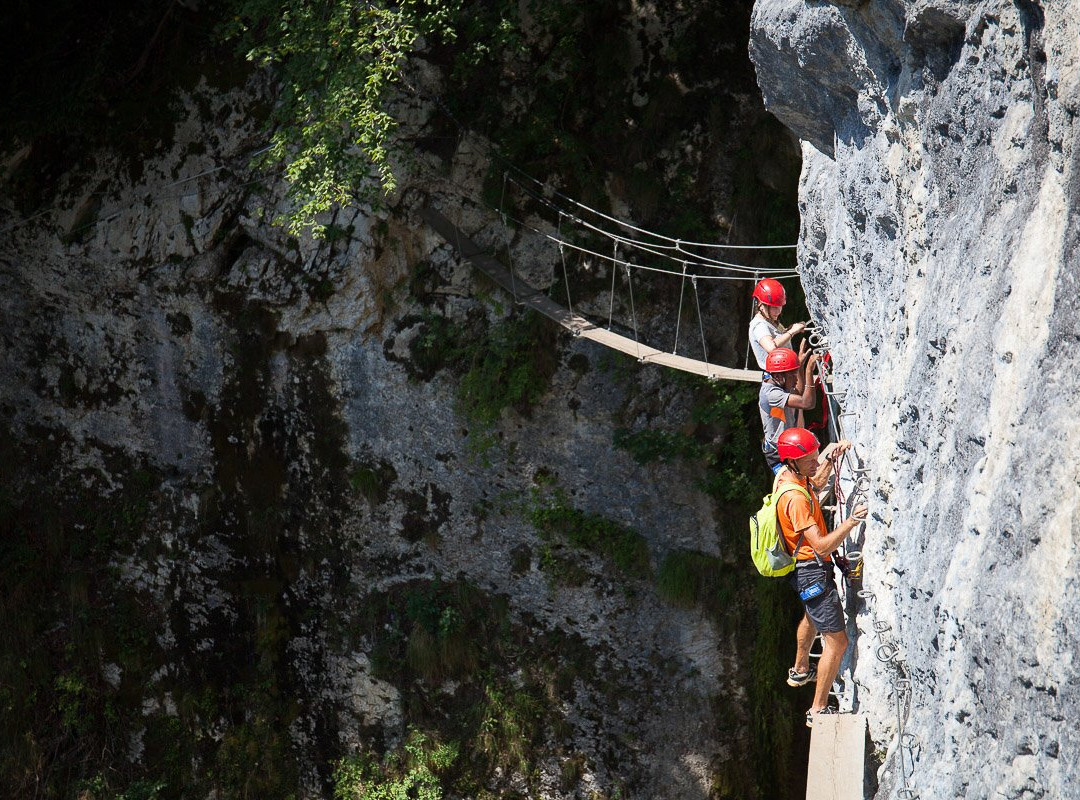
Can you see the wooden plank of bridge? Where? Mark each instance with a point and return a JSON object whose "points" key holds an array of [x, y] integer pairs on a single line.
{"points": [[837, 758], [580, 326]]}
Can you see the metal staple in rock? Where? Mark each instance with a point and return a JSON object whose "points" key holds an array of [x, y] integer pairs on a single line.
{"points": [[888, 648]]}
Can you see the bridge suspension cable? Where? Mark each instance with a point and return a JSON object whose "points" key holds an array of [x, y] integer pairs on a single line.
{"points": [[749, 274], [673, 252], [628, 226], [565, 243]]}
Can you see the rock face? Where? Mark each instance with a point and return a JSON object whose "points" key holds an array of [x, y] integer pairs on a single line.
{"points": [[940, 251], [273, 538], [311, 470]]}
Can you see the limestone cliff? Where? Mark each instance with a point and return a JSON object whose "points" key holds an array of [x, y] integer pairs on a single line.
{"points": [[940, 250], [249, 528]]}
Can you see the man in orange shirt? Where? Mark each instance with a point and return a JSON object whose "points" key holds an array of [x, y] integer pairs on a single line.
{"points": [[809, 539]]}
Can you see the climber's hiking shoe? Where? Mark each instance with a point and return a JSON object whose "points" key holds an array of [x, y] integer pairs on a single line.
{"points": [[801, 678], [810, 715]]}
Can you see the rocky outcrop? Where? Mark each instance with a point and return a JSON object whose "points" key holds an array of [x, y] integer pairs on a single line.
{"points": [[313, 471], [940, 251], [257, 528]]}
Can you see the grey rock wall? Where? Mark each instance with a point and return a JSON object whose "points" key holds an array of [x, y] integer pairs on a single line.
{"points": [[940, 251], [168, 325]]}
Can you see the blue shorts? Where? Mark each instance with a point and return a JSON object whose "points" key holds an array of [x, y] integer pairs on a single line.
{"points": [[824, 610]]}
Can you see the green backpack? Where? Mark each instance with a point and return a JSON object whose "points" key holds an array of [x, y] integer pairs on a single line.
{"points": [[766, 540]]}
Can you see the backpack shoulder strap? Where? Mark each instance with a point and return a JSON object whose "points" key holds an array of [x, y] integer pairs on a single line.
{"points": [[778, 493], [788, 487]]}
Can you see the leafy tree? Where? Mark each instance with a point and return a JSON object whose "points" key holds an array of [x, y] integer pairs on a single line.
{"points": [[337, 62]]}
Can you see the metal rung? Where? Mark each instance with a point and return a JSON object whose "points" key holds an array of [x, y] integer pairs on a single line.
{"points": [[886, 652]]}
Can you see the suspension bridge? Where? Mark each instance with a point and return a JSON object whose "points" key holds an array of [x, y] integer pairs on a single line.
{"points": [[530, 297]]}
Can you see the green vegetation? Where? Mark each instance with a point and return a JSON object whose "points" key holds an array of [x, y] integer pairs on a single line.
{"points": [[505, 365], [688, 578], [372, 481], [337, 62], [650, 445], [71, 617], [722, 444], [98, 788], [775, 720], [80, 649], [414, 770], [439, 343], [112, 645], [337, 67], [759, 613], [509, 726], [470, 679], [509, 368], [728, 414], [561, 569], [623, 546], [66, 617], [439, 631]]}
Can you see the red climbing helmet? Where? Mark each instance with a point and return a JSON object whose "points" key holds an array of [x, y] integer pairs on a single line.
{"points": [[782, 359], [769, 292], [796, 443]]}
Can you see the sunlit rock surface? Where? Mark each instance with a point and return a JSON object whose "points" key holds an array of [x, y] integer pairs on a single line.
{"points": [[940, 250]]}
